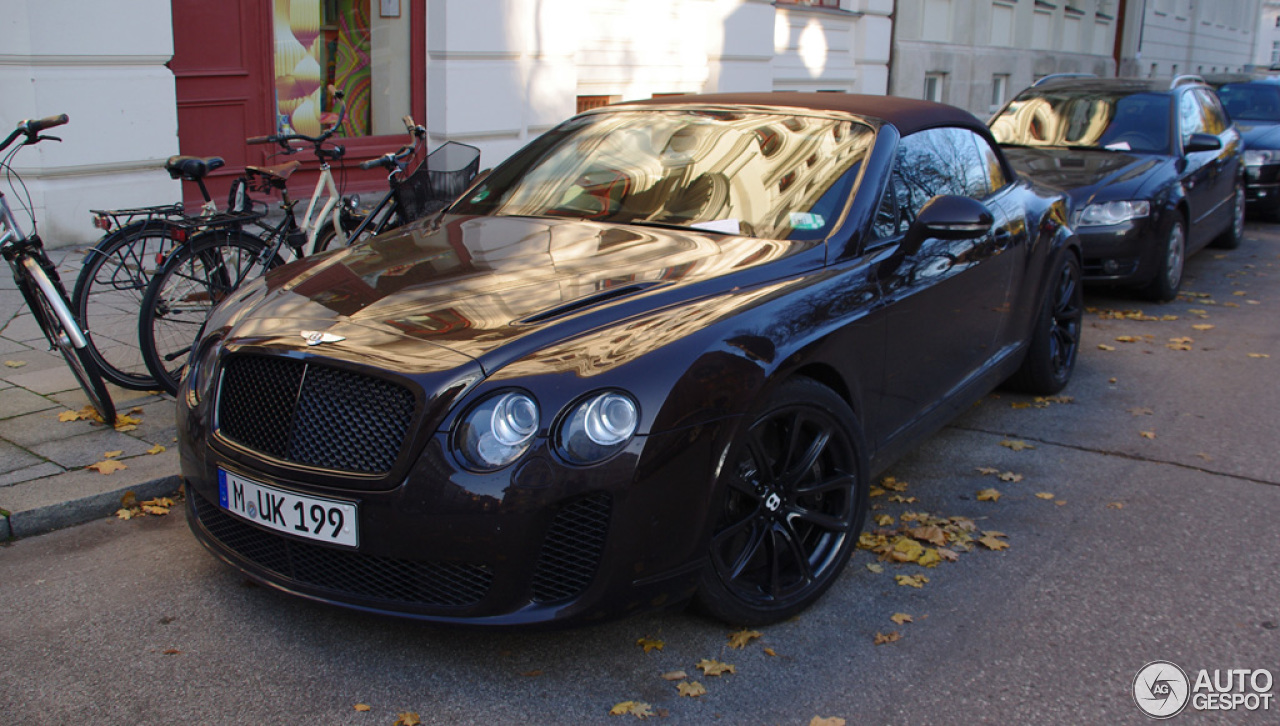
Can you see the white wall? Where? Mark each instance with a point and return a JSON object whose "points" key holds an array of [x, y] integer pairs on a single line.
{"points": [[1194, 37], [103, 65]]}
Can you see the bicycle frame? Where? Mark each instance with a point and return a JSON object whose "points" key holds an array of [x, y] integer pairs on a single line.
{"points": [[13, 236], [329, 209]]}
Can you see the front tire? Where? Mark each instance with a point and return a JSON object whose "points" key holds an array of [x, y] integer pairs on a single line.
{"points": [[1173, 255], [790, 501], [78, 360], [1055, 343]]}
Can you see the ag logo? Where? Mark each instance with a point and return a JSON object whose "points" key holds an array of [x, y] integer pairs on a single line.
{"points": [[1161, 689]]}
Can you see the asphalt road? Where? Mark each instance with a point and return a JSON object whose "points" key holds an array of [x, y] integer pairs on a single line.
{"points": [[1156, 546]]}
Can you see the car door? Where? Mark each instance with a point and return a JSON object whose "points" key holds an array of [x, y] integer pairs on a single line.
{"points": [[948, 301], [1226, 161], [1197, 170]]}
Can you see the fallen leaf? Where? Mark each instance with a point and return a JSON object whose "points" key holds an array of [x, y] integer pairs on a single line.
{"points": [[932, 534], [900, 618], [158, 511], [109, 466], [901, 499], [1104, 346], [875, 567], [987, 470], [675, 675], [1011, 477], [916, 581], [739, 639], [171, 651], [1020, 404], [1061, 502], [157, 449], [1259, 355], [876, 492], [930, 558], [989, 495], [769, 652], [66, 416], [946, 554], [1202, 326], [1127, 339], [1115, 505], [691, 689], [906, 549], [1112, 380], [1016, 445], [15, 363], [893, 484], [126, 428], [408, 718], [714, 667], [893, 637], [649, 644], [884, 520], [1240, 293], [1205, 456], [124, 513], [992, 543], [1147, 434], [362, 707], [112, 454], [1044, 495], [831, 721]]}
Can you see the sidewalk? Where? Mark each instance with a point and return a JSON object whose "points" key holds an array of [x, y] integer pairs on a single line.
{"points": [[44, 482]]}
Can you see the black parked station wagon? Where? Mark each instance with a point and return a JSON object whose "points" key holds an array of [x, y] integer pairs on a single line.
{"points": [[656, 355], [1154, 170]]}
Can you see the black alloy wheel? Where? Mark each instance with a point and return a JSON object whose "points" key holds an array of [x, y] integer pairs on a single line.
{"points": [[791, 502], [1051, 355]]}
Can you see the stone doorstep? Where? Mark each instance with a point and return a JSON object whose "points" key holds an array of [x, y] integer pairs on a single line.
{"points": [[43, 505]]}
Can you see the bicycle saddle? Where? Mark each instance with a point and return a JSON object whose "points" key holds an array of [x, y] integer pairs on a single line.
{"points": [[192, 167], [278, 173]]}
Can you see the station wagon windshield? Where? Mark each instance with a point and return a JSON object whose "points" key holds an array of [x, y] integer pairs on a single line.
{"points": [[1093, 119], [775, 176]]}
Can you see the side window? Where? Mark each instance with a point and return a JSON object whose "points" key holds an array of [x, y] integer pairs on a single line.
{"points": [[1215, 119], [934, 162], [1190, 116]]}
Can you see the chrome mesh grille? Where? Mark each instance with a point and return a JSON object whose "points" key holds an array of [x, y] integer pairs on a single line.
{"points": [[313, 414], [571, 553], [346, 572]]}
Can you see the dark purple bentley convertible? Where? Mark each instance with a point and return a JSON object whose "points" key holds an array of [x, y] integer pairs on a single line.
{"points": [[656, 355]]}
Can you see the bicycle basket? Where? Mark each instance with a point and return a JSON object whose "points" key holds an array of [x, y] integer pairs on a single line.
{"points": [[441, 178]]}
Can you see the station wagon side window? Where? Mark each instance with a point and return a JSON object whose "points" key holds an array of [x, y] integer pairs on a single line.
{"points": [[1190, 116], [1215, 119]]}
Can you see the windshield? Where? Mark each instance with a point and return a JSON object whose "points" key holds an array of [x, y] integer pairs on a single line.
{"points": [[774, 176], [1251, 102], [1086, 118]]}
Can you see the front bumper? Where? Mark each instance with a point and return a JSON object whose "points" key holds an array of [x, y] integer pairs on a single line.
{"points": [[1262, 187], [1122, 254]]}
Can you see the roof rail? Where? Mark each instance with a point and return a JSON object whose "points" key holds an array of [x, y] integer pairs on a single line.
{"points": [[1185, 80], [1057, 76]]}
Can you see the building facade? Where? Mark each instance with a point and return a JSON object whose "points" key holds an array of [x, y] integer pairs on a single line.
{"points": [[145, 80], [1166, 38], [1266, 50]]}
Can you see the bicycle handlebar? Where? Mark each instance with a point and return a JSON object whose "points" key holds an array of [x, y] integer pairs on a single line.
{"points": [[316, 141], [31, 128], [391, 160]]}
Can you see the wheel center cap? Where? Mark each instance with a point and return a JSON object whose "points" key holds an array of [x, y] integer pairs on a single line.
{"points": [[773, 501]]}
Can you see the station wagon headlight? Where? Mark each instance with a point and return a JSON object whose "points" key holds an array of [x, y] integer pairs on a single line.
{"points": [[1108, 213], [598, 426], [1261, 157], [498, 430]]}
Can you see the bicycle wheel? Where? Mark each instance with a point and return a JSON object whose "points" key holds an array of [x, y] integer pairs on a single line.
{"points": [[108, 295], [44, 306], [182, 293]]}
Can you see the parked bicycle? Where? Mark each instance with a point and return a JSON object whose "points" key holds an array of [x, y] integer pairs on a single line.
{"points": [[37, 277]]}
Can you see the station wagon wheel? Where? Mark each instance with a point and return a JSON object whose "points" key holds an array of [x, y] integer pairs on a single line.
{"points": [[1172, 255], [1234, 235], [791, 502], [1051, 354]]}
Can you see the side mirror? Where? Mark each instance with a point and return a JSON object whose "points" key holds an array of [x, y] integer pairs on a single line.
{"points": [[948, 217], [1202, 142]]}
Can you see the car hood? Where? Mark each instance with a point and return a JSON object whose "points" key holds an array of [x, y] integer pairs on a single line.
{"points": [[492, 289], [1259, 134], [1087, 175]]}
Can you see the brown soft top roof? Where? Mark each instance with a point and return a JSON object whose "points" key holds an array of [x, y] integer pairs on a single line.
{"points": [[907, 114]]}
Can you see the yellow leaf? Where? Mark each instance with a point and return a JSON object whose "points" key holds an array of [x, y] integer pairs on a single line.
{"points": [[875, 568], [15, 363], [1115, 505], [1019, 404], [901, 499], [68, 416], [691, 689], [1104, 346], [884, 520], [932, 534], [1205, 456], [714, 667], [906, 549], [1259, 355], [157, 449], [126, 428], [112, 454], [124, 513], [893, 637], [1112, 380], [1044, 495], [1011, 477], [1195, 311], [989, 495], [129, 499], [649, 644], [876, 492], [1240, 293], [1178, 346], [930, 558], [993, 544], [893, 484], [831, 721], [1147, 434], [1202, 326], [986, 470], [1230, 305], [916, 581], [1061, 502], [362, 707], [739, 639], [1016, 444], [158, 502], [638, 709], [109, 466], [408, 718], [1126, 339], [769, 652], [89, 413], [158, 511], [675, 675], [126, 419], [946, 554], [901, 618]]}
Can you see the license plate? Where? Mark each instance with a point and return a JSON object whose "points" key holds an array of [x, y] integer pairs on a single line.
{"points": [[317, 518]]}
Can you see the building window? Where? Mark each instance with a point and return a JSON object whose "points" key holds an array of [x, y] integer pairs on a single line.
{"points": [[1154, 68], [586, 103], [811, 3], [321, 44], [1275, 53], [933, 83], [999, 87]]}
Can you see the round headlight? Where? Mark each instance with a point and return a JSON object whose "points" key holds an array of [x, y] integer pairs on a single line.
{"points": [[498, 430], [598, 426]]}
